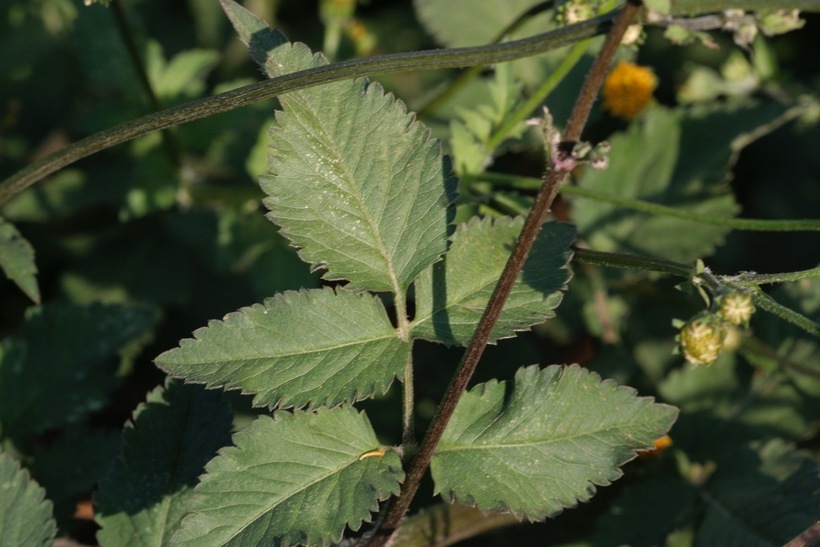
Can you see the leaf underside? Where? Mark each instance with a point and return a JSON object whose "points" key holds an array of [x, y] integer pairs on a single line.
{"points": [[149, 488], [451, 295], [312, 347], [294, 479], [17, 260], [544, 443], [356, 183]]}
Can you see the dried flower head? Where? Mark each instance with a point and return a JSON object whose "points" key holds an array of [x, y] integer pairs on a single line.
{"points": [[628, 89], [701, 339]]}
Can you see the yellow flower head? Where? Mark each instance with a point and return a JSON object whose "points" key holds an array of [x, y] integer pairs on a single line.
{"points": [[628, 89], [701, 339]]}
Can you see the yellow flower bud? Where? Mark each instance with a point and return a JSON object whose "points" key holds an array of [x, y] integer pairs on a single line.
{"points": [[736, 308]]}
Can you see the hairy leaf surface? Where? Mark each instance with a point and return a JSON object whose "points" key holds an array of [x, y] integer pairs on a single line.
{"points": [[316, 347], [294, 479], [543, 443], [451, 295], [25, 514], [72, 371], [17, 260], [147, 492], [356, 183]]}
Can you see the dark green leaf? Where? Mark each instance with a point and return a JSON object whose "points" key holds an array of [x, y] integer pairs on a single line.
{"points": [[26, 514], [63, 361], [294, 479], [316, 347], [451, 296], [175, 432], [543, 443]]}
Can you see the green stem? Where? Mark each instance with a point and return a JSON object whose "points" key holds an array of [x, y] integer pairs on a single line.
{"points": [[696, 7], [750, 279], [466, 76], [762, 225], [632, 262], [767, 303], [756, 349], [402, 62]]}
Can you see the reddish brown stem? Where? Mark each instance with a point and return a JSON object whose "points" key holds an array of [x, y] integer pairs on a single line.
{"points": [[543, 201]]}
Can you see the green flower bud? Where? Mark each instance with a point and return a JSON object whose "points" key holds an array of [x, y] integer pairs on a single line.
{"points": [[736, 308], [701, 339]]}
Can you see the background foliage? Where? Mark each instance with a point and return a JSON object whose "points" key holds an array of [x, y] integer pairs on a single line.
{"points": [[143, 244]]}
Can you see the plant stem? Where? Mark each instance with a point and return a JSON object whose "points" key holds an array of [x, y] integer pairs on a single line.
{"points": [[632, 262], [767, 303], [695, 7], [750, 224], [402, 62], [532, 226], [751, 279]]}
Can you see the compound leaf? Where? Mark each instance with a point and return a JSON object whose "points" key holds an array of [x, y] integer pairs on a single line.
{"points": [[294, 479], [356, 183], [451, 295], [544, 443], [148, 490], [17, 260], [26, 514], [316, 347]]}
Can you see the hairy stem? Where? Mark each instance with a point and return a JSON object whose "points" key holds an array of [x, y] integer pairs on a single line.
{"points": [[532, 226], [403, 62], [632, 262], [751, 279]]}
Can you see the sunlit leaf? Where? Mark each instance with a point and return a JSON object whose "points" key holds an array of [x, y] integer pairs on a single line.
{"points": [[26, 514], [17, 260], [294, 479], [543, 443], [316, 347]]}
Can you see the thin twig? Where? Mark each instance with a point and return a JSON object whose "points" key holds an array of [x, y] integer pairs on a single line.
{"points": [[519, 254]]}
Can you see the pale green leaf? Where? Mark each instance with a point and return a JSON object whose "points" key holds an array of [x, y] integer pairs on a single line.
{"points": [[25, 514], [543, 443], [147, 492], [356, 183], [62, 362], [316, 347], [17, 260], [671, 159], [763, 495], [294, 479], [451, 295], [183, 76]]}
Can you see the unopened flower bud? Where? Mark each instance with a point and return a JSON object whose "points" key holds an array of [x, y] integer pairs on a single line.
{"points": [[701, 339], [736, 308]]}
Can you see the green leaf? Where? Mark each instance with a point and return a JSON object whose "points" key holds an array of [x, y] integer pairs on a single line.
{"points": [[294, 479], [183, 77], [17, 260], [62, 363], [316, 347], [147, 492], [26, 514], [451, 295], [763, 494], [544, 443], [675, 159], [357, 184]]}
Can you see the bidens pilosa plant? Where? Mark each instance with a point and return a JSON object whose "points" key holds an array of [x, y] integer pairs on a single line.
{"points": [[308, 417]]}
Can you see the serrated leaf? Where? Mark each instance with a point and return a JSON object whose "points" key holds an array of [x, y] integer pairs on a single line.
{"points": [[148, 490], [451, 295], [357, 184], [17, 260], [294, 479], [545, 442], [764, 494], [674, 160], [26, 514], [316, 347], [62, 362]]}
